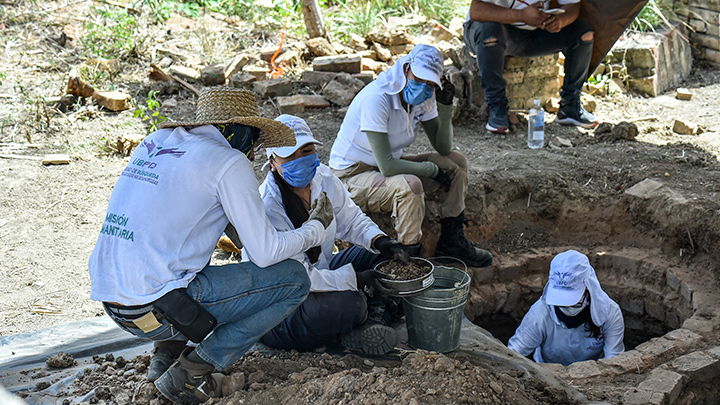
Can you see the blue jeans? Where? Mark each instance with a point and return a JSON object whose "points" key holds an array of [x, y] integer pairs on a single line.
{"points": [[247, 302], [512, 41], [324, 316]]}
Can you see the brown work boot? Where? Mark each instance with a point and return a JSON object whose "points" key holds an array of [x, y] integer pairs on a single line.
{"points": [[164, 355], [187, 382]]}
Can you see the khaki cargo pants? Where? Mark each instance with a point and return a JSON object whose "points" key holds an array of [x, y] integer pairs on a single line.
{"points": [[403, 195]]}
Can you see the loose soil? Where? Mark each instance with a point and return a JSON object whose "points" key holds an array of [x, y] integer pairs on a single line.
{"points": [[50, 216], [397, 270]]}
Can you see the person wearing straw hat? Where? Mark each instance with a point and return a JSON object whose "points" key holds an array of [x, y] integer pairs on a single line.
{"points": [[574, 319], [368, 155], [346, 304], [150, 266]]}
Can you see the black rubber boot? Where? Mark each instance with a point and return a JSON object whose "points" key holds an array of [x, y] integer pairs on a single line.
{"points": [[453, 243], [164, 354], [370, 338], [187, 382]]}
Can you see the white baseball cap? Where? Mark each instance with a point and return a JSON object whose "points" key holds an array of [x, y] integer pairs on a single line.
{"points": [[568, 272], [426, 63], [303, 136]]}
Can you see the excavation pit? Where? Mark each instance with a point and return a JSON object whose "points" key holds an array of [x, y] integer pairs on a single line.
{"points": [[652, 298]]}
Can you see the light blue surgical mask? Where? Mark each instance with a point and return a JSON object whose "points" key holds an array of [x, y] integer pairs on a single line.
{"points": [[300, 172], [416, 93]]}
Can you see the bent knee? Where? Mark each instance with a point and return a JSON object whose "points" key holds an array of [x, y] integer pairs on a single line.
{"points": [[588, 36], [458, 158], [415, 184], [490, 41]]}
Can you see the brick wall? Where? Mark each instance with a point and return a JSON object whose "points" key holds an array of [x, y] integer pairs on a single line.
{"points": [[704, 17]]}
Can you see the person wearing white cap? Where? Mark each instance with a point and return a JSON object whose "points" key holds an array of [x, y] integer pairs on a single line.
{"points": [[574, 319], [150, 267], [336, 311], [368, 157]]}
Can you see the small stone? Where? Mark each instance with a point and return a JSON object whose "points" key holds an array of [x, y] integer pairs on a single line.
{"points": [[588, 102], [273, 87], [257, 71], [552, 105], [683, 94], [625, 130], [667, 174], [683, 128], [383, 53], [60, 360], [357, 42]]}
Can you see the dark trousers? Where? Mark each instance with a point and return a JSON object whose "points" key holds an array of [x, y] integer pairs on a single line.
{"points": [[512, 41], [324, 316]]}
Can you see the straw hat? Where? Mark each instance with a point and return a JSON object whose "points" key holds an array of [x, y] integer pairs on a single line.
{"points": [[225, 105]]}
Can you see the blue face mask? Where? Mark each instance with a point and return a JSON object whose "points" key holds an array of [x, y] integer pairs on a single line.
{"points": [[416, 93], [300, 172]]}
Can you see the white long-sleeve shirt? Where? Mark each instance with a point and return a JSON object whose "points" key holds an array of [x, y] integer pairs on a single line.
{"points": [[350, 224], [169, 208], [551, 341]]}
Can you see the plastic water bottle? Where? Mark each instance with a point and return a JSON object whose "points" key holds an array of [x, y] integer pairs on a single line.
{"points": [[536, 126]]}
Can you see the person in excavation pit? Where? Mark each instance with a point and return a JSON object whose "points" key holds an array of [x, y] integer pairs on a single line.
{"points": [[184, 185], [574, 320], [367, 154], [346, 305]]}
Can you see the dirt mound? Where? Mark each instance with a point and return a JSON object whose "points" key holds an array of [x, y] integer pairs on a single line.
{"points": [[312, 378]]}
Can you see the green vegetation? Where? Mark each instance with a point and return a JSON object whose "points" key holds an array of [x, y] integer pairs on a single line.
{"points": [[150, 112], [342, 17], [656, 13], [110, 33]]}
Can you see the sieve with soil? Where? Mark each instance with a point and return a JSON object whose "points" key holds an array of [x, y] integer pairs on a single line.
{"points": [[407, 278]]}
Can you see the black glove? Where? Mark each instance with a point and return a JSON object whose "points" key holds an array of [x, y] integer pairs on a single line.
{"points": [[446, 94], [368, 281], [392, 249], [444, 179]]}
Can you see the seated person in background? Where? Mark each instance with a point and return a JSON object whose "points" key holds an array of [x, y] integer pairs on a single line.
{"points": [[368, 153], [497, 28], [338, 310], [574, 320]]}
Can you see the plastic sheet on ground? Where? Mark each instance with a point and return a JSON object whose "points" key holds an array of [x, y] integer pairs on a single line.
{"points": [[23, 356]]}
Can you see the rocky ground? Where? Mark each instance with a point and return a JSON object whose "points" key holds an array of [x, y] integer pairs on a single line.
{"points": [[50, 215]]}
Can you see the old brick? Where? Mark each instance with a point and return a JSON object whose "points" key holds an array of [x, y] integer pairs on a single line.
{"points": [[184, 73], [643, 397], [697, 366], [366, 76], [242, 79], [290, 104], [657, 348], [373, 65], [357, 42], [683, 127], [584, 369], [382, 52], [320, 46], [683, 94], [340, 63], [401, 49], [343, 89], [259, 72], [396, 36], [236, 65], [315, 78], [213, 75], [645, 189], [273, 87], [665, 382], [314, 101], [630, 361], [267, 53]]}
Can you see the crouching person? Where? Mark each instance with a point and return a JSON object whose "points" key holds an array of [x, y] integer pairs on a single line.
{"points": [[150, 266], [338, 310], [574, 320]]}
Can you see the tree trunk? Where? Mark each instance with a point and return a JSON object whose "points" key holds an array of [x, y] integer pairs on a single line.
{"points": [[313, 19]]}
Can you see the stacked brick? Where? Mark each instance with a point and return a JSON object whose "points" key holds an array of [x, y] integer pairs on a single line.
{"points": [[704, 18]]}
